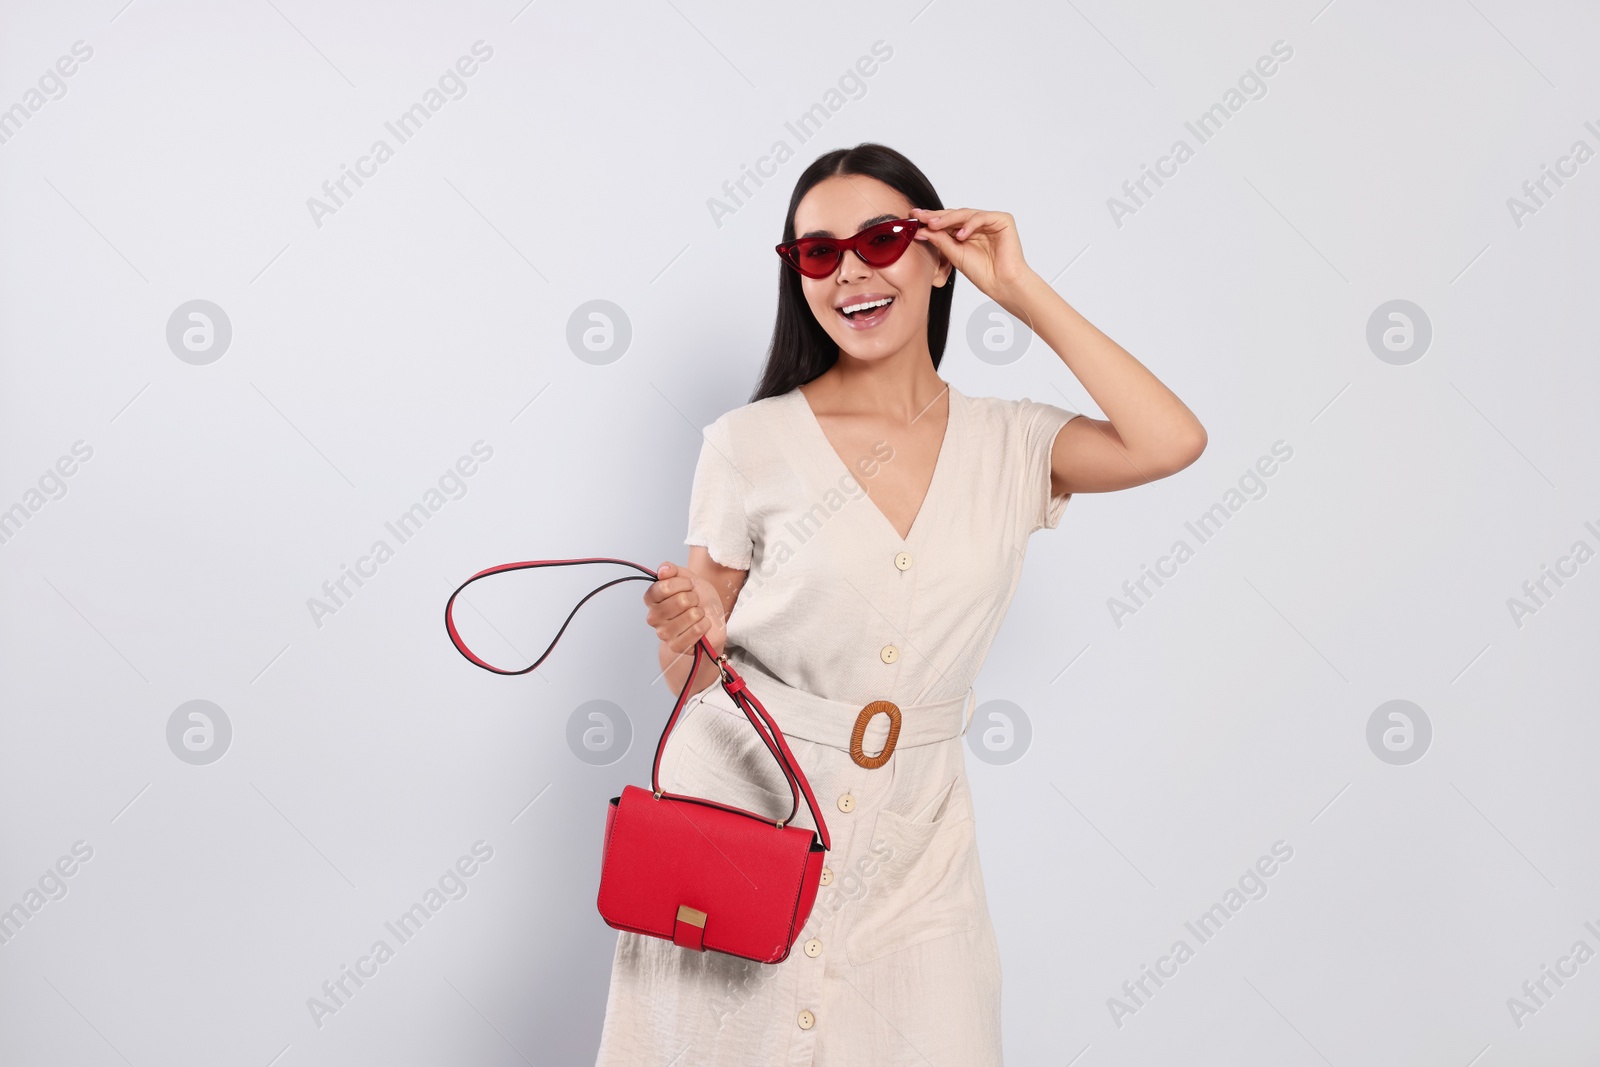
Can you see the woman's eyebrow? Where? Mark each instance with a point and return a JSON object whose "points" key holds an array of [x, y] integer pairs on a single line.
{"points": [[870, 222]]}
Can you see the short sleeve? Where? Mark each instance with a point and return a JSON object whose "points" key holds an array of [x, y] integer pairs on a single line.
{"points": [[717, 517], [1040, 422]]}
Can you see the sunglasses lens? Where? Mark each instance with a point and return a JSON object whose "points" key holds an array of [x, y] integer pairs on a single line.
{"points": [[882, 245], [816, 258]]}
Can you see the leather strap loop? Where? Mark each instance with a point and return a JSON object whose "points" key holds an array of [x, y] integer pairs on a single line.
{"points": [[732, 683]]}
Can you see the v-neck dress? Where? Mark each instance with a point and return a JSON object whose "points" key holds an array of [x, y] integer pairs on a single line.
{"points": [[897, 963]]}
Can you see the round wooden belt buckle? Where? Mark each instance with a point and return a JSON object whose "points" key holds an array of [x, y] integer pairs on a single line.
{"points": [[885, 707]]}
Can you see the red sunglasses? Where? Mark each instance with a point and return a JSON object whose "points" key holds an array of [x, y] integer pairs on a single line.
{"points": [[878, 246]]}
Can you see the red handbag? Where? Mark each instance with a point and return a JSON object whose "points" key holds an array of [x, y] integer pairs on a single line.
{"points": [[698, 873]]}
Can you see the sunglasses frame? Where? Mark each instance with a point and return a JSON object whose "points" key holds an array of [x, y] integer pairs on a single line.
{"points": [[793, 252]]}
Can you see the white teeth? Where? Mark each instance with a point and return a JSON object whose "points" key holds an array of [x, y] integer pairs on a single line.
{"points": [[851, 308]]}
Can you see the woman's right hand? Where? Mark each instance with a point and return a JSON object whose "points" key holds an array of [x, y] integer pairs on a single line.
{"points": [[682, 608]]}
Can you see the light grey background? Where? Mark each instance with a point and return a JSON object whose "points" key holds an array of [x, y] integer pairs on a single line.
{"points": [[1170, 747]]}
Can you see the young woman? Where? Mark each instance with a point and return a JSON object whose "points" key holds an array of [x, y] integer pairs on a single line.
{"points": [[857, 531]]}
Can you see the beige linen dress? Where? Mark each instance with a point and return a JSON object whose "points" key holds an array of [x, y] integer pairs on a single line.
{"points": [[897, 963]]}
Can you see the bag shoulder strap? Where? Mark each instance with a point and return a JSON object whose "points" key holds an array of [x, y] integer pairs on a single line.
{"points": [[732, 683]]}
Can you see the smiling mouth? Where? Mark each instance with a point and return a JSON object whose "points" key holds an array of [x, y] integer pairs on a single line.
{"points": [[867, 314]]}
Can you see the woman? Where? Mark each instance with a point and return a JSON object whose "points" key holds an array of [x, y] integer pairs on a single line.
{"points": [[857, 531]]}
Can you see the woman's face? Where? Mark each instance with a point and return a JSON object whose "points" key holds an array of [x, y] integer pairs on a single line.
{"points": [[842, 206]]}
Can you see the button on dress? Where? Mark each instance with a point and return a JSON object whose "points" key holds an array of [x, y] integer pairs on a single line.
{"points": [[897, 963]]}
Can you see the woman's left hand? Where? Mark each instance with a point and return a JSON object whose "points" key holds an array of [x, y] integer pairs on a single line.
{"points": [[983, 245]]}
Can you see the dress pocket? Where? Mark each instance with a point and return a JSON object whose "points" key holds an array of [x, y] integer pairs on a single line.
{"points": [[722, 758], [927, 882]]}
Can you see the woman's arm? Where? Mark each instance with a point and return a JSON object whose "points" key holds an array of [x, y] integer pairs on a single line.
{"points": [[1148, 432], [687, 603]]}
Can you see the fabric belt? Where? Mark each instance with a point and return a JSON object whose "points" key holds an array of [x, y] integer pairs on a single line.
{"points": [[803, 714]]}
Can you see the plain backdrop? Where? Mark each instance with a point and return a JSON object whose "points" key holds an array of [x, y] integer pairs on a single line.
{"points": [[251, 382]]}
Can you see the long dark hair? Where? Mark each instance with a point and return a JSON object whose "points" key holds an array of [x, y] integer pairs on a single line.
{"points": [[801, 349]]}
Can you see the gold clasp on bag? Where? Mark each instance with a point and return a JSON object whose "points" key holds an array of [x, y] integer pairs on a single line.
{"points": [[689, 931], [888, 708]]}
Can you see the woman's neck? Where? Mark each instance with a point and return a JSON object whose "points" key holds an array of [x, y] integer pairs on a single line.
{"points": [[899, 388]]}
